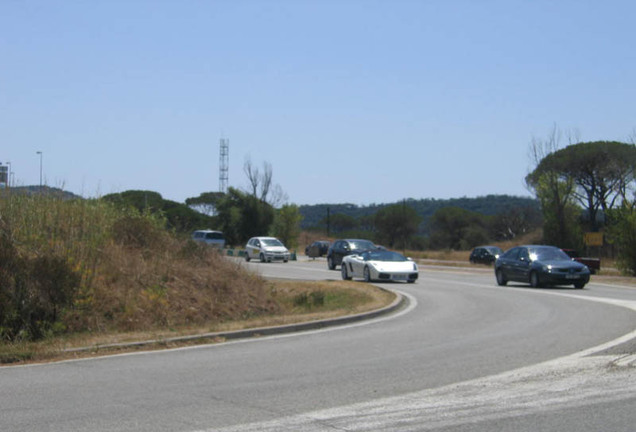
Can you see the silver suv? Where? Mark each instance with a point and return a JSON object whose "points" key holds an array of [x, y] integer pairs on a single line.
{"points": [[212, 238]]}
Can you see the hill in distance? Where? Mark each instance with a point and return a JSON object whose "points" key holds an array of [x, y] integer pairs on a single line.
{"points": [[314, 215]]}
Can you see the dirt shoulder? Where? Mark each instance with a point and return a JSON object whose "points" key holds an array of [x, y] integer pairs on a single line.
{"points": [[305, 306]]}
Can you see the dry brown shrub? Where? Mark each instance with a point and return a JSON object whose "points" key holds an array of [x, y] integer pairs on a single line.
{"points": [[176, 283]]}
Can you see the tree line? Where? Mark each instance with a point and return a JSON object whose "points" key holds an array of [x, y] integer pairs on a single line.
{"points": [[581, 188], [459, 223], [587, 187], [242, 214]]}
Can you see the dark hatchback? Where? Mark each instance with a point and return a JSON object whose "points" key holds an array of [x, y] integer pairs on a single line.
{"points": [[341, 248], [540, 266], [485, 255]]}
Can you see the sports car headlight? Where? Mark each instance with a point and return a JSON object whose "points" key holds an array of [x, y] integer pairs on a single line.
{"points": [[414, 267]]}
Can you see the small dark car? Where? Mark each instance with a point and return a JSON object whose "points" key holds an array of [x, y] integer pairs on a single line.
{"points": [[317, 249], [485, 255], [539, 266], [341, 248]]}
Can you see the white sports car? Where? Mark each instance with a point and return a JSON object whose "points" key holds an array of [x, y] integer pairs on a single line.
{"points": [[380, 265]]}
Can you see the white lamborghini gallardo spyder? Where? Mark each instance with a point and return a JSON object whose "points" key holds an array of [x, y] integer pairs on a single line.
{"points": [[379, 265]]}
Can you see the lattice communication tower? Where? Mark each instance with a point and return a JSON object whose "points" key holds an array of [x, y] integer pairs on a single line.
{"points": [[224, 159]]}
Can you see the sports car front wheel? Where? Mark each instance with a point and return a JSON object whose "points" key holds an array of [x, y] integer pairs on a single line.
{"points": [[367, 274], [344, 273]]}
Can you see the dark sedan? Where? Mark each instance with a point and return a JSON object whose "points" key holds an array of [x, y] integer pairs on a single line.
{"points": [[341, 248], [540, 266], [485, 255]]}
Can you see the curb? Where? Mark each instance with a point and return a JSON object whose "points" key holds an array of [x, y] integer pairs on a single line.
{"points": [[400, 302]]}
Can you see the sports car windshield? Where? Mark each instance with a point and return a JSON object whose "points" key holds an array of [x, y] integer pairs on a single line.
{"points": [[381, 255], [548, 254]]}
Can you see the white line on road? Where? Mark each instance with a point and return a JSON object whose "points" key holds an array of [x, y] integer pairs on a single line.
{"points": [[566, 382], [569, 381]]}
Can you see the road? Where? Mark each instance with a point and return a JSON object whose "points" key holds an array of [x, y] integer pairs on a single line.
{"points": [[465, 355]]}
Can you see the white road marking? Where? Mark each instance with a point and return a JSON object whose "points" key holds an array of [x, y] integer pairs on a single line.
{"points": [[569, 381], [566, 382]]}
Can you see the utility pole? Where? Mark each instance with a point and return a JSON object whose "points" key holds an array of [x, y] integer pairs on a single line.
{"points": [[40, 153], [224, 158]]}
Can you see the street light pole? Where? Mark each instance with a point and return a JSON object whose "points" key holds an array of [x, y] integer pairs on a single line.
{"points": [[9, 174], [40, 153]]}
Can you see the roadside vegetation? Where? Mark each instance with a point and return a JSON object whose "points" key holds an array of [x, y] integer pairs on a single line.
{"points": [[587, 188], [86, 271], [76, 271], [585, 200]]}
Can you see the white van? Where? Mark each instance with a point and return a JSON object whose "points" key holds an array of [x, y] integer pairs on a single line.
{"points": [[212, 238]]}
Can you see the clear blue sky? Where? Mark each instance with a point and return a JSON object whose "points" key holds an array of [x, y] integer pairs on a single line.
{"points": [[348, 100]]}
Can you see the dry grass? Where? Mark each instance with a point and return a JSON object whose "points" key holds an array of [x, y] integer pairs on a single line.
{"points": [[133, 274], [339, 298], [138, 281]]}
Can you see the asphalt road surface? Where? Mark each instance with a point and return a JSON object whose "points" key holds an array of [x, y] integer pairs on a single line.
{"points": [[464, 355]]}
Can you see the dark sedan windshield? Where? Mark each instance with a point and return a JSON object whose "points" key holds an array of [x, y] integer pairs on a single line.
{"points": [[548, 254], [381, 255], [360, 245]]}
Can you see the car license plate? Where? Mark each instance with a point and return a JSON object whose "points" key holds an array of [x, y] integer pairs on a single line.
{"points": [[572, 276], [399, 277]]}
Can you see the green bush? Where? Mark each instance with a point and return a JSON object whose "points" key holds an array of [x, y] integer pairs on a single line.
{"points": [[622, 233], [33, 292], [313, 299], [49, 249]]}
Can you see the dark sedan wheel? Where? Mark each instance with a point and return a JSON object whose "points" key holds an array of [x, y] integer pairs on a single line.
{"points": [[501, 280], [535, 282], [330, 264], [344, 272]]}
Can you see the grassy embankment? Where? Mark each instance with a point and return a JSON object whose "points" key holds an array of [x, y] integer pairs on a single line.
{"points": [[84, 273]]}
